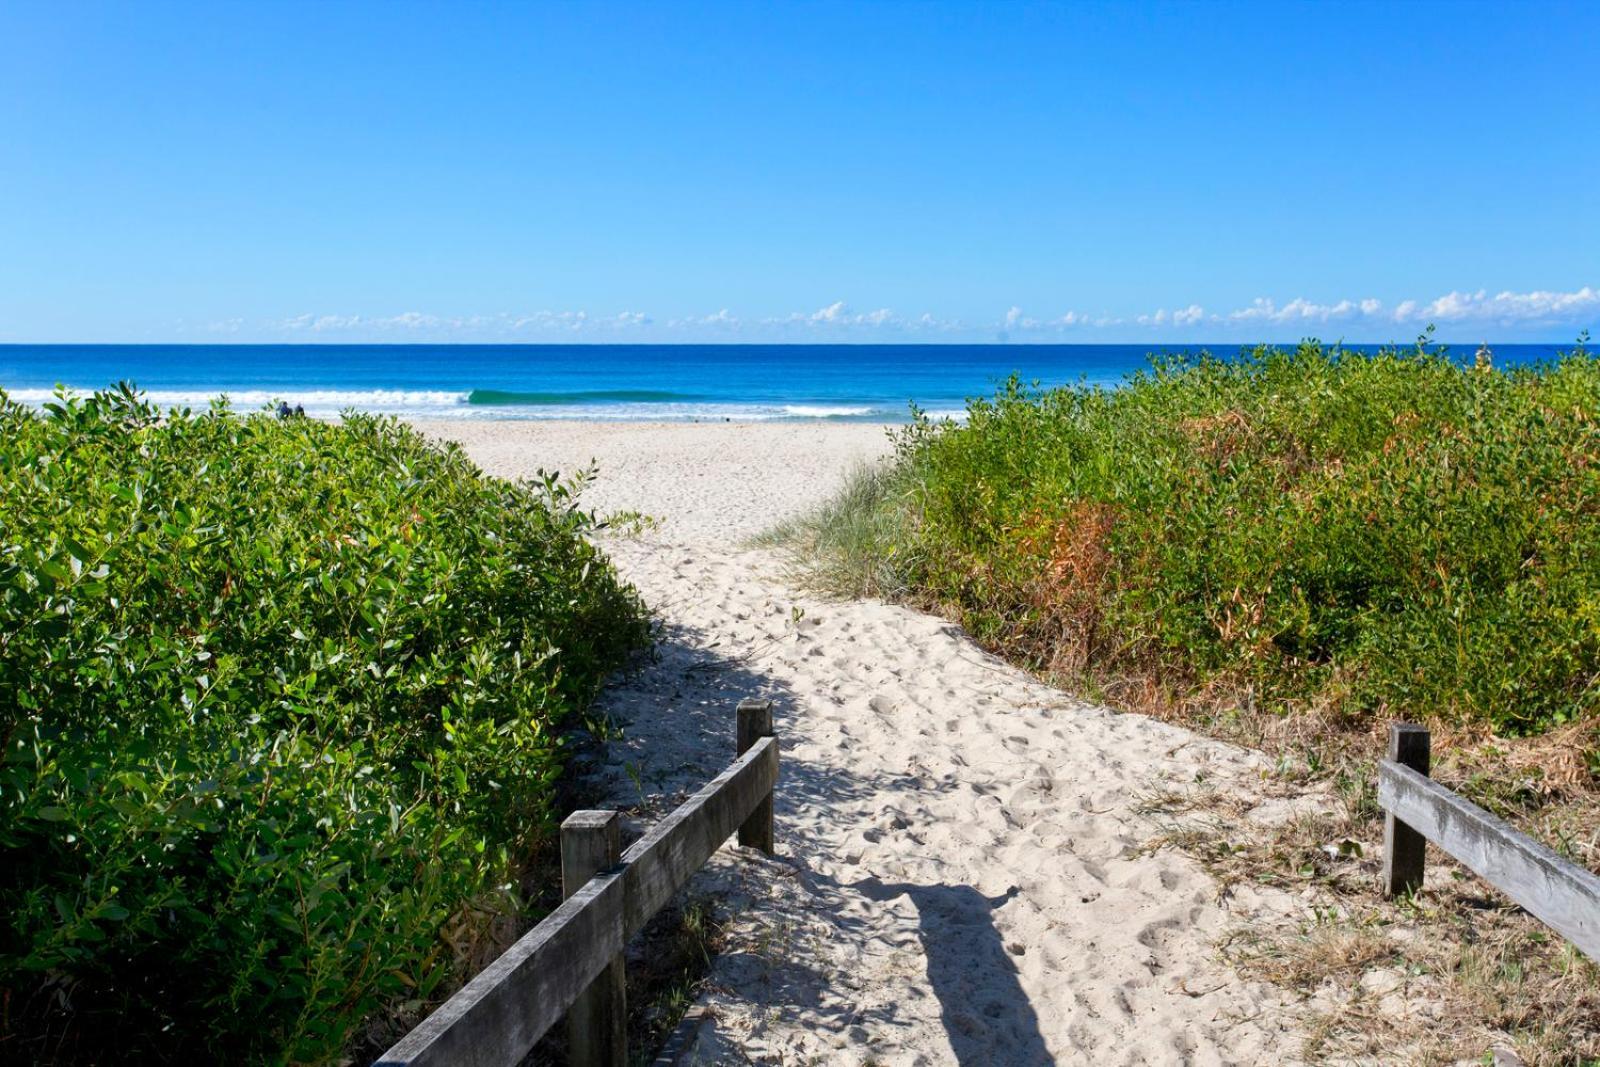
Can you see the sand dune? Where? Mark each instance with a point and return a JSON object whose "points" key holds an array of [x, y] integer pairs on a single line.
{"points": [[962, 875]]}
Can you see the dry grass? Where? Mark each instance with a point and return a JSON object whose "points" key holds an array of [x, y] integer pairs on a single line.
{"points": [[1441, 978]]}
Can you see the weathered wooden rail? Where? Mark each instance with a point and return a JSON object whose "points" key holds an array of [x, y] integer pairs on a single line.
{"points": [[571, 964], [1556, 891]]}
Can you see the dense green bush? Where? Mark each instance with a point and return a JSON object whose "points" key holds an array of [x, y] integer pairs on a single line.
{"points": [[1397, 532], [279, 699]]}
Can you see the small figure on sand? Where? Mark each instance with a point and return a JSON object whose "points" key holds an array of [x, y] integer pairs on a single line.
{"points": [[283, 409]]}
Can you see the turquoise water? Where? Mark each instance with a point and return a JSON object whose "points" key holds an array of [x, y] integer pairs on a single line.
{"points": [[743, 382]]}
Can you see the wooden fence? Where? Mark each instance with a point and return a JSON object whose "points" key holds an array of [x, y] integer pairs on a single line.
{"points": [[571, 964], [1561, 894]]}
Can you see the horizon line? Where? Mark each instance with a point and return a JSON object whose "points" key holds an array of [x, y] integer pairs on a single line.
{"points": [[1341, 342]]}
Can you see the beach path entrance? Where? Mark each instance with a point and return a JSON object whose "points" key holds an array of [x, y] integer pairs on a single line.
{"points": [[962, 871]]}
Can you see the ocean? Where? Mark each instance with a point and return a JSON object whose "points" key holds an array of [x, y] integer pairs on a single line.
{"points": [[623, 382]]}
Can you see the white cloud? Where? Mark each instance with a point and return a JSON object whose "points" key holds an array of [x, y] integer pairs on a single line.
{"points": [[502, 324], [410, 320], [1302, 310], [836, 315], [839, 314], [578, 321], [1506, 307], [1540, 305], [1376, 319], [335, 322], [834, 312], [929, 322], [1016, 320], [551, 320], [723, 319]]}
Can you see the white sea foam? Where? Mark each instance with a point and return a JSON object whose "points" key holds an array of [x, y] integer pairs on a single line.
{"points": [[823, 411], [315, 401], [442, 404], [660, 412]]}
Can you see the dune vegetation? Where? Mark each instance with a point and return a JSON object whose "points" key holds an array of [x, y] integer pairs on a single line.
{"points": [[1373, 537], [284, 706], [1293, 548]]}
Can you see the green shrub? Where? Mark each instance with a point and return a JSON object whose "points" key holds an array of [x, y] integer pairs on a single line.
{"points": [[279, 700], [1394, 533]]}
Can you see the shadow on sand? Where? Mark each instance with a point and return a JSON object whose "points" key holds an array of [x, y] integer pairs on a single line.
{"points": [[981, 1000], [689, 691]]}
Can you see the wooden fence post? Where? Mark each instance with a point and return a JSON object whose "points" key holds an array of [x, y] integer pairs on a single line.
{"points": [[570, 966], [597, 1022], [755, 722], [1403, 848]]}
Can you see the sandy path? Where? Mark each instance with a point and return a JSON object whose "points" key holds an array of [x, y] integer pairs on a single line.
{"points": [[960, 876]]}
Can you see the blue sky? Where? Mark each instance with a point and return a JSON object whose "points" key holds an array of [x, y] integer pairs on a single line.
{"points": [[815, 172]]}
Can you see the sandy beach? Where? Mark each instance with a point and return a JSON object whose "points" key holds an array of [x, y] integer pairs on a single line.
{"points": [[709, 483], [962, 873]]}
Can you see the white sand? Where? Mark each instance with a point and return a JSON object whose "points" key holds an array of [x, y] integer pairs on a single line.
{"points": [[961, 877], [710, 483]]}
